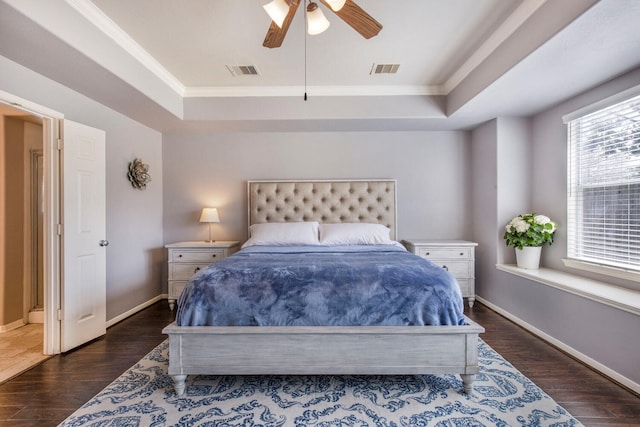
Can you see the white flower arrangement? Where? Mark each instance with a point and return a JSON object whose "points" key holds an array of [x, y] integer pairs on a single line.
{"points": [[529, 230]]}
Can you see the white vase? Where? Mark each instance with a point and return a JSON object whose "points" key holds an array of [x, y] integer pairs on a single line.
{"points": [[528, 257]]}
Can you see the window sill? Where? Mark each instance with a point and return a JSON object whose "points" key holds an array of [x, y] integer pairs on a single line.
{"points": [[601, 269], [614, 296]]}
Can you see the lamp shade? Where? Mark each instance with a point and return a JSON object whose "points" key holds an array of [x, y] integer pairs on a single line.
{"points": [[336, 5], [209, 215], [316, 21], [277, 11]]}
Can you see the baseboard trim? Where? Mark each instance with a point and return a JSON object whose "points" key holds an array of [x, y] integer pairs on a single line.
{"points": [[593, 364], [11, 326], [136, 309], [36, 316]]}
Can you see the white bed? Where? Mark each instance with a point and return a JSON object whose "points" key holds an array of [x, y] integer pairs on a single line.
{"points": [[311, 350]]}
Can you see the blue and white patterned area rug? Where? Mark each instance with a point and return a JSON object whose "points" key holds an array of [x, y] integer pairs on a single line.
{"points": [[144, 396]]}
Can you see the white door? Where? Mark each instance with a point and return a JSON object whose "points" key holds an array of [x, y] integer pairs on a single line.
{"points": [[83, 297]]}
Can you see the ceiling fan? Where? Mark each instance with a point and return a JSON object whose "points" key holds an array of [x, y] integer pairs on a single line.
{"points": [[283, 11]]}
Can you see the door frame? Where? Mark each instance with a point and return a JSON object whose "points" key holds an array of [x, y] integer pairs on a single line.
{"points": [[51, 128]]}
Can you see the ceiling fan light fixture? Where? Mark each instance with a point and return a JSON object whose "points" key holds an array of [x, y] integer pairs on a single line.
{"points": [[277, 11], [336, 5], [316, 21]]}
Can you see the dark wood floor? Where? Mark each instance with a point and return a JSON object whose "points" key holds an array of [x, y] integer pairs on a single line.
{"points": [[48, 393], [590, 397]]}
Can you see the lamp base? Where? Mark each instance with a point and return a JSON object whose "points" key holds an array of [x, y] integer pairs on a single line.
{"points": [[210, 239]]}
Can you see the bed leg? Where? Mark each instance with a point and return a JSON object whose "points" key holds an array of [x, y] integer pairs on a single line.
{"points": [[179, 383], [467, 383]]}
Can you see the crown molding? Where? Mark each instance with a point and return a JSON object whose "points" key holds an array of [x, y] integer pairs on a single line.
{"points": [[274, 91], [94, 15]]}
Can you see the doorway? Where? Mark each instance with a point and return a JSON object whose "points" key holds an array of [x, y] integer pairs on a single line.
{"points": [[21, 241], [22, 218], [29, 182], [73, 251]]}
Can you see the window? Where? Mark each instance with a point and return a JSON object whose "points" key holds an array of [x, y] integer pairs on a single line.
{"points": [[603, 212]]}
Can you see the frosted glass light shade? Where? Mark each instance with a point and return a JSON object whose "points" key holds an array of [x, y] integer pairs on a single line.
{"points": [[209, 215], [336, 5], [277, 11], [316, 21]]}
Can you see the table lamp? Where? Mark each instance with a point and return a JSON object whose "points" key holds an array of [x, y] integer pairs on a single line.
{"points": [[209, 215]]}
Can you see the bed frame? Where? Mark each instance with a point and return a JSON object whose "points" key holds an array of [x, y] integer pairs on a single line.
{"points": [[323, 350]]}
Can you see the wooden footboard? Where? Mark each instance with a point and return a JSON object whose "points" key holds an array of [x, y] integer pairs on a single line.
{"points": [[323, 350]]}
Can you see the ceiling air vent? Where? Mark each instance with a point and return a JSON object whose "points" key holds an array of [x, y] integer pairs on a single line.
{"points": [[243, 70], [384, 68]]}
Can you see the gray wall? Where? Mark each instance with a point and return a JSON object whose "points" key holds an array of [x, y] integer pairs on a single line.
{"points": [[134, 218], [534, 151], [450, 185], [432, 169]]}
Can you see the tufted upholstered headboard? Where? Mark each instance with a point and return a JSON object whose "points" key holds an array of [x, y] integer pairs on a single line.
{"points": [[334, 201]]}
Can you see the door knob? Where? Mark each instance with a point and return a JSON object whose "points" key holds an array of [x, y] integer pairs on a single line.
{"points": [[104, 243]]}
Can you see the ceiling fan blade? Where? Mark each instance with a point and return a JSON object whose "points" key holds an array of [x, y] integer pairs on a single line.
{"points": [[357, 18], [275, 35]]}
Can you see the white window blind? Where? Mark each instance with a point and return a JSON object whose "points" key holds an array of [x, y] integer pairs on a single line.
{"points": [[603, 212]]}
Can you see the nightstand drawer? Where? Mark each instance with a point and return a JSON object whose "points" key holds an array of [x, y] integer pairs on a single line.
{"points": [[445, 253], [184, 271], [458, 269], [208, 255]]}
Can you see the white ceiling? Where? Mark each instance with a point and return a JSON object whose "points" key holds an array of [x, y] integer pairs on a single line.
{"points": [[164, 62], [194, 41]]}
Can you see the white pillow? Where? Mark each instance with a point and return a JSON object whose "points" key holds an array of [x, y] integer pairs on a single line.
{"points": [[358, 233], [283, 233]]}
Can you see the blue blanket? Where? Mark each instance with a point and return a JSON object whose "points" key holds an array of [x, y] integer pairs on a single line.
{"points": [[321, 286]]}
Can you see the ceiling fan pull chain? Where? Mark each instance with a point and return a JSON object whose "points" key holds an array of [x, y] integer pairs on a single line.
{"points": [[305, 56]]}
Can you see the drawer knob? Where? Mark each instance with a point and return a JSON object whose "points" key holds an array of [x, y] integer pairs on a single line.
{"points": [[461, 253], [445, 267], [196, 270], [214, 255], [428, 253], [180, 256]]}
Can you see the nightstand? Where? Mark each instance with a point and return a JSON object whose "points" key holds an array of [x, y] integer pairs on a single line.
{"points": [[187, 258], [456, 256]]}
